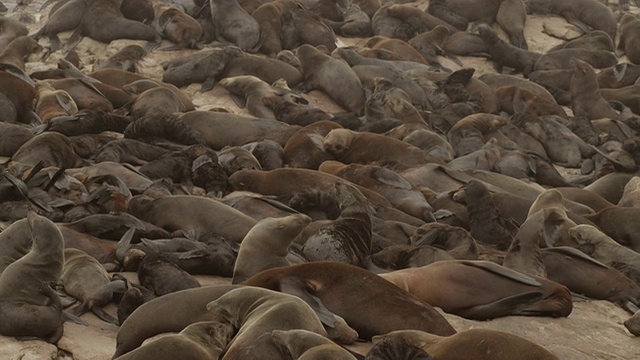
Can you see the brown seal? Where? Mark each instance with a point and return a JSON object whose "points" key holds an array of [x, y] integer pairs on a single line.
{"points": [[17, 51], [267, 69], [618, 223], [387, 183], [478, 344], [304, 344], [235, 25], [145, 322], [334, 77], [496, 290], [586, 98], [631, 195], [268, 16], [180, 28], [190, 213], [19, 95], [66, 17], [251, 92], [12, 136], [15, 242], [51, 148], [629, 35], [29, 306], [593, 14], [266, 245], [11, 29], [84, 278], [345, 289], [53, 103], [407, 51], [467, 135], [349, 146], [305, 149], [504, 54], [255, 311], [162, 276], [561, 59], [103, 21], [200, 340]]}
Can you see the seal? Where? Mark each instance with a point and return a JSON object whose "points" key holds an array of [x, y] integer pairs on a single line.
{"points": [[266, 245], [305, 148], [103, 21], [13, 136], [561, 59], [630, 196], [629, 35], [467, 135], [480, 344], [617, 222], [172, 213], [586, 98], [345, 289], [160, 275], [18, 50], [250, 92], [200, 340], [583, 14], [28, 305], [269, 17], [181, 29], [255, 311], [84, 278], [387, 183], [304, 344], [50, 148], [15, 242], [332, 76], [11, 29], [53, 103], [504, 54], [62, 18], [19, 96], [235, 25], [395, 348], [348, 238], [499, 291], [143, 324], [349, 146]]}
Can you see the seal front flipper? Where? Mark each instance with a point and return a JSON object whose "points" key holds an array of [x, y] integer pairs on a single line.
{"points": [[573, 252], [73, 41], [573, 20], [512, 305], [208, 84], [294, 286]]}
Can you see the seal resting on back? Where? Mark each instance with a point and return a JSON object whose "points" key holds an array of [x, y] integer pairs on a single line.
{"points": [[369, 304]]}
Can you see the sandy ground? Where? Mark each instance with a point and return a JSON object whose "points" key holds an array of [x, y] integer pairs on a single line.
{"points": [[594, 329]]}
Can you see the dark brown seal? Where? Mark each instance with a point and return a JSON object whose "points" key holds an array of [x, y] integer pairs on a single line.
{"points": [[586, 98], [629, 38]]}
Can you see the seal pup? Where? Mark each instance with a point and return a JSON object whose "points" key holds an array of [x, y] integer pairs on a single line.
{"points": [[304, 344], [53, 103], [125, 59], [17, 51], [160, 275], [84, 278], [255, 312], [332, 76], [235, 25], [478, 344], [266, 245], [28, 305], [355, 294], [504, 54], [200, 340], [498, 291]]}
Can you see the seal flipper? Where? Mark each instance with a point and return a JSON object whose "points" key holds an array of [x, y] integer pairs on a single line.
{"points": [[97, 311], [208, 84], [73, 41], [293, 286], [573, 252], [502, 271], [512, 305]]}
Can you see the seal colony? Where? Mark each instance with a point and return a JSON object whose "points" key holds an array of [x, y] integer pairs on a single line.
{"points": [[407, 176]]}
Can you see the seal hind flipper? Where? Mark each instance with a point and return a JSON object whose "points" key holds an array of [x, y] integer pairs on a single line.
{"points": [[124, 244], [208, 84], [293, 286], [502, 271], [104, 316], [73, 41], [512, 305], [241, 101]]}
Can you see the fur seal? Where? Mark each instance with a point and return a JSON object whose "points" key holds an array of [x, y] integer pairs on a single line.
{"points": [[84, 278], [629, 35], [11, 29], [266, 245], [17, 51], [467, 135], [162, 276], [583, 14], [12, 136], [561, 59], [200, 340], [586, 98], [29, 306], [618, 223], [235, 25], [304, 344], [53, 103], [180, 28], [19, 96], [305, 148], [66, 17], [478, 344], [349, 146], [51, 148], [344, 289], [504, 54], [144, 322], [191, 213], [255, 312], [514, 293], [103, 21], [332, 76]]}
